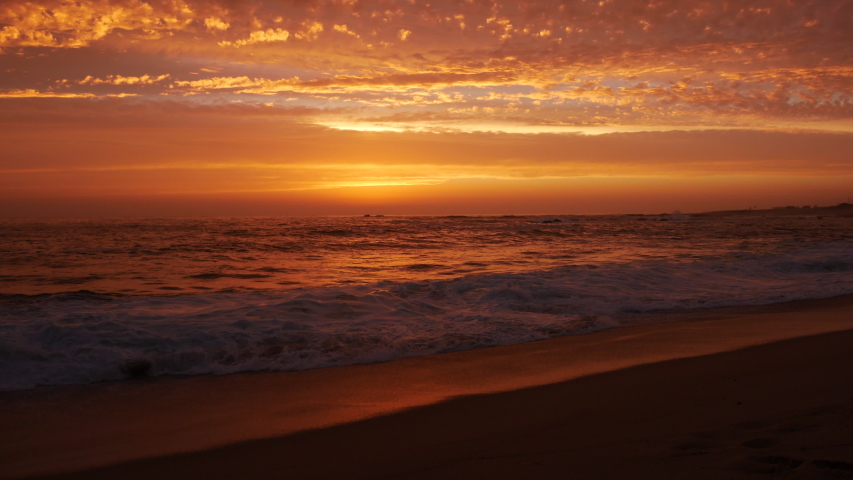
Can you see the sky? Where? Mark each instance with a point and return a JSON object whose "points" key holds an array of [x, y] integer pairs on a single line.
{"points": [[342, 107]]}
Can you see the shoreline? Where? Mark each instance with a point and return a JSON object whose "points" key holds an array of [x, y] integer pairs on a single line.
{"points": [[81, 427]]}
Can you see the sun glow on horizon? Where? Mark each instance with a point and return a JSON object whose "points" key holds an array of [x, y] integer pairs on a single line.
{"points": [[328, 95]]}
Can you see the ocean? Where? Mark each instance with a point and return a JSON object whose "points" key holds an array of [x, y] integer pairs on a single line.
{"points": [[86, 301]]}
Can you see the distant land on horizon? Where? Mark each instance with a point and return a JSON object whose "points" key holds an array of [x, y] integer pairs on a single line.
{"points": [[842, 209]]}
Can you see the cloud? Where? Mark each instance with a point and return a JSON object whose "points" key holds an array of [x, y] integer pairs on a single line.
{"points": [[218, 83], [236, 134], [31, 93], [345, 29], [260, 36], [216, 24], [310, 30], [77, 24], [121, 80], [756, 63], [216, 150], [232, 94]]}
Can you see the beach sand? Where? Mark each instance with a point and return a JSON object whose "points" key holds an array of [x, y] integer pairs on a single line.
{"points": [[728, 393]]}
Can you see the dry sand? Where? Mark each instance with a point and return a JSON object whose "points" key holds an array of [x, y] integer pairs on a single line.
{"points": [[729, 393]]}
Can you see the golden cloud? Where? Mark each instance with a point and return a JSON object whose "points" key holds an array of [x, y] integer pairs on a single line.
{"points": [[345, 29], [31, 93], [260, 36], [216, 23], [121, 80], [77, 24], [538, 62]]}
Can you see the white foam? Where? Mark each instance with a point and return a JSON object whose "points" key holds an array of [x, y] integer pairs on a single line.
{"points": [[80, 338]]}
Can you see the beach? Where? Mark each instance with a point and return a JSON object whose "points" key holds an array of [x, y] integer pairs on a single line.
{"points": [[717, 393], [390, 239]]}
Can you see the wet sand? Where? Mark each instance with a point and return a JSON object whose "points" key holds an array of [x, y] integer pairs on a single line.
{"points": [[717, 394]]}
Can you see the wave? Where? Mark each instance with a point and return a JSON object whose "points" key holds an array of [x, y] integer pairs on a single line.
{"points": [[87, 337]]}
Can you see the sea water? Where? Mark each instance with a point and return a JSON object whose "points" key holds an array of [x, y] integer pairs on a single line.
{"points": [[93, 300]]}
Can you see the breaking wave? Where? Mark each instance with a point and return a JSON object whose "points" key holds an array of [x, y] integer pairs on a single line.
{"points": [[86, 337]]}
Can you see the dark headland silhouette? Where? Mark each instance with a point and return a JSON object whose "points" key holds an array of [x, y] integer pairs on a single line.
{"points": [[841, 210]]}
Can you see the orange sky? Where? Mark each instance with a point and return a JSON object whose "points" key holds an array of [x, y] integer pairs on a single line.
{"points": [[423, 107]]}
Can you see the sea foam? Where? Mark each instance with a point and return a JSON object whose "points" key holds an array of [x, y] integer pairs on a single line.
{"points": [[85, 337]]}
